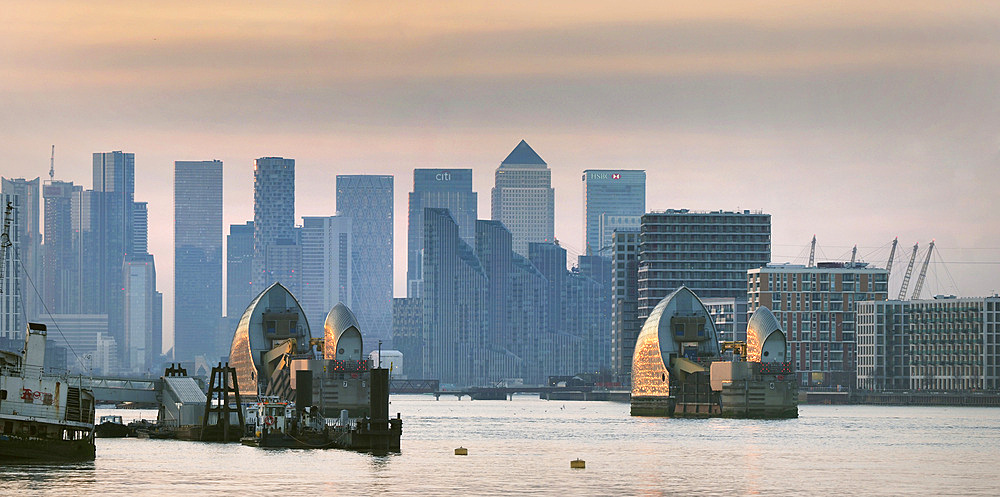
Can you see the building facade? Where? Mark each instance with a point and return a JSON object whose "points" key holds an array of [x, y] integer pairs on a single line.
{"points": [[523, 198], [140, 314], [612, 198], [368, 200], [708, 252], [625, 322], [943, 344], [449, 189], [326, 265], [239, 271], [273, 214], [62, 250], [30, 246], [11, 286], [197, 259], [817, 307]]}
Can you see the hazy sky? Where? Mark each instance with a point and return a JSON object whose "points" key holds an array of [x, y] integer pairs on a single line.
{"points": [[859, 123]]}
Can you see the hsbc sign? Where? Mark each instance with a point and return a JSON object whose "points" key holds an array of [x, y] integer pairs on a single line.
{"points": [[608, 175]]}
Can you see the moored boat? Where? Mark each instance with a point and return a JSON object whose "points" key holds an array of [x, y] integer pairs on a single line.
{"points": [[111, 426], [43, 417]]}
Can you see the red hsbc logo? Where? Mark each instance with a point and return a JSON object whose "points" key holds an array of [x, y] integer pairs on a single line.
{"points": [[616, 176]]}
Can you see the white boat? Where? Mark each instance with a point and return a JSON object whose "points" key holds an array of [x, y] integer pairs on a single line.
{"points": [[43, 417]]}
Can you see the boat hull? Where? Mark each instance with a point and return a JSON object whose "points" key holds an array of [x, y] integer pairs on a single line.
{"points": [[111, 430], [28, 450]]}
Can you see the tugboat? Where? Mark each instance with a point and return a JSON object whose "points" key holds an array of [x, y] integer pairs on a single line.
{"points": [[43, 417], [111, 427]]}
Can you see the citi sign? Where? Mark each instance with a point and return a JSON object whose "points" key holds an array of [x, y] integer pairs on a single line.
{"points": [[443, 176], [605, 175]]}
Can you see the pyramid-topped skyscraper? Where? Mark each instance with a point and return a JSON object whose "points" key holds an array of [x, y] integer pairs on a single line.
{"points": [[523, 198]]}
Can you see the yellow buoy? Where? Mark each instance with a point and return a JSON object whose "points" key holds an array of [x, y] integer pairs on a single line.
{"points": [[461, 451], [578, 464]]}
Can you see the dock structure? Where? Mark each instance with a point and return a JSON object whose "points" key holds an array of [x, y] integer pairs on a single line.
{"points": [[222, 388], [546, 393]]}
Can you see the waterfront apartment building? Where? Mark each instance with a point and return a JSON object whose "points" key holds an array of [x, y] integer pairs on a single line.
{"points": [[625, 322], [449, 189], [817, 308], [708, 252], [197, 259], [523, 198], [368, 199], [326, 267], [612, 198], [273, 217], [945, 344]]}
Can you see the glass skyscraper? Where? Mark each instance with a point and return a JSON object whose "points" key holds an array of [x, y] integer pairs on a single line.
{"points": [[61, 252], [30, 247], [326, 265], [523, 198], [239, 271], [368, 200], [449, 189], [612, 199], [273, 219], [197, 258]]}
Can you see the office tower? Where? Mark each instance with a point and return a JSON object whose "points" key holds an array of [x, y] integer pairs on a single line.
{"points": [[449, 189], [11, 286], [30, 246], [197, 258], [816, 308], [493, 247], [625, 320], [326, 266], [367, 199], [108, 238], [523, 198], [454, 303], [273, 216], [239, 271], [709, 252], [612, 199], [157, 345], [940, 344], [140, 228], [528, 312], [407, 334], [596, 313], [61, 252], [140, 312], [550, 260]]}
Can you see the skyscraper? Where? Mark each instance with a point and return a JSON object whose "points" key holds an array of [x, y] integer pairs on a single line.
{"points": [[239, 271], [197, 258], [140, 313], [109, 238], [326, 266], [523, 198], [616, 194], [61, 252], [11, 288], [273, 216], [367, 200], [140, 227], [449, 189], [30, 245]]}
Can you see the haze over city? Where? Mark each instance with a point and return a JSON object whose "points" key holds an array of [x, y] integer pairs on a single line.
{"points": [[857, 124]]}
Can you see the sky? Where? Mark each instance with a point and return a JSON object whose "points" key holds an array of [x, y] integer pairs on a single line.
{"points": [[856, 122]]}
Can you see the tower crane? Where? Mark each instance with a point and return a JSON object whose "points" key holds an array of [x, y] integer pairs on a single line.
{"points": [[52, 164], [812, 253], [892, 253], [923, 273], [909, 271]]}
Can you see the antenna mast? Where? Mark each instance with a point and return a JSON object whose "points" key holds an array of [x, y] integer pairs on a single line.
{"points": [[52, 164], [812, 253]]}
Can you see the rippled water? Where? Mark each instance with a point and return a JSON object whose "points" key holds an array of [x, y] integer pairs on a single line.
{"points": [[524, 446]]}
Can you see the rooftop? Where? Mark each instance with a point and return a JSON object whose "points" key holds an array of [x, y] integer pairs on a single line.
{"points": [[523, 155]]}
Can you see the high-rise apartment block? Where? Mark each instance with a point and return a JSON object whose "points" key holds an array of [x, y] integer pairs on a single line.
{"points": [[523, 198], [817, 306], [62, 252], [11, 286], [625, 322], [449, 189], [945, 343], [274, 221], [612, 199], [708, 252], [367, 199], [29, 249], [197, 259], [326, 266], [140, 314]]}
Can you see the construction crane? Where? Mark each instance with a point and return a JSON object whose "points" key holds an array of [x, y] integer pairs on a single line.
{"points": [[52, 164], [892, 253], [8, 216], [909, 271], [812, 253], [923, 273]]}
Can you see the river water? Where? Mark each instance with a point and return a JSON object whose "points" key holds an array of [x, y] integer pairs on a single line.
{"points": [[524, 447]]}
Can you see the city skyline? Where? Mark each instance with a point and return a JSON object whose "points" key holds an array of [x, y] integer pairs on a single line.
{"points": [[816, 117]]}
